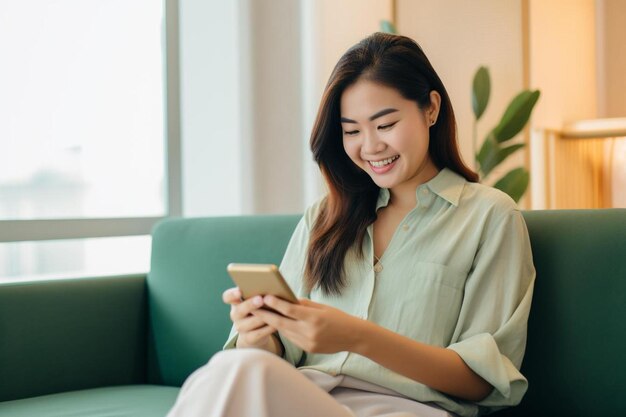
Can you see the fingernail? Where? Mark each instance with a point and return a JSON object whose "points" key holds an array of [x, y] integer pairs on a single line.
{"points": [[258, 301]]}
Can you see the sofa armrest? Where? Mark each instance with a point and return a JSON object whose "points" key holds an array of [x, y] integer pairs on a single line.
{"points": [[71, 334]]}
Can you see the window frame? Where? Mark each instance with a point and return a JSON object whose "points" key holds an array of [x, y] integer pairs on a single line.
{"points": [[82, 228]]}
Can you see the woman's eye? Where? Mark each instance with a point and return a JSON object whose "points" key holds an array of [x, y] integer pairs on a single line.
{"points": [[351, 132], [387, 127]]}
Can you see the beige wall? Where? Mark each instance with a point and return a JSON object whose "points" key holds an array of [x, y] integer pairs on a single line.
{"points": [[340, 25], [459, 36], [612, 59], [563, 61], [562, 64], [272, 101]]}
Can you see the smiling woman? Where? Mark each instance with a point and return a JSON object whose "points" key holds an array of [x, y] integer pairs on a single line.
{"points": [[395, 141], [377, 109], [414, 281]]}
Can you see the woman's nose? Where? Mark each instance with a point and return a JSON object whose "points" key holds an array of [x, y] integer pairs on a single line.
{"points": [[372, 145]]}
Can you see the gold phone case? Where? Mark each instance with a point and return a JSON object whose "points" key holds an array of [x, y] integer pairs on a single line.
{"points": [[260, 279]]}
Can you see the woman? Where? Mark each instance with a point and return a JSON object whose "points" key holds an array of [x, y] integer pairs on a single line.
{"points": [[415, 281]]}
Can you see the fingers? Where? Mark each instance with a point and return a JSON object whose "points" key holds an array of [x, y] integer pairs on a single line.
{"points": [[249, 324], [256, 336], [253, 331], [275, 320], [285, 308], [244, 308], [232, 296]]}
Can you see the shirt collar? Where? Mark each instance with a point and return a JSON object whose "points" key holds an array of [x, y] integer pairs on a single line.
{"points": [[383, 198], [447, 184]]}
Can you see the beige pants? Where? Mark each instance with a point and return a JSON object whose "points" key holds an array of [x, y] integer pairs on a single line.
{"points": [[255, 383]]}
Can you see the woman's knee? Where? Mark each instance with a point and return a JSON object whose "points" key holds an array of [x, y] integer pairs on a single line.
{"points": [[246, 357]]}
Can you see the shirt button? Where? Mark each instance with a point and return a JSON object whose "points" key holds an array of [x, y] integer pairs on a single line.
{"points": [[405, 227]]}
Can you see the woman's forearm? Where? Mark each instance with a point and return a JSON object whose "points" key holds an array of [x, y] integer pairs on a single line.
{"points": [[439, 368]]}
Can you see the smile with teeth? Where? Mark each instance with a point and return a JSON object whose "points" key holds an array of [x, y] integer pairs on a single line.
{"points": [[379, 164]]}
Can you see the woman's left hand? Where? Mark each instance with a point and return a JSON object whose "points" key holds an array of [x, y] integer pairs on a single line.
{"points": [[314, 327]]}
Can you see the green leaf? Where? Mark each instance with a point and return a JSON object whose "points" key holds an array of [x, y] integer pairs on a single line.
{"points": [[516, 115], [514, 183], [492, 154], [487, 153], [387, 26], [481, 88]]}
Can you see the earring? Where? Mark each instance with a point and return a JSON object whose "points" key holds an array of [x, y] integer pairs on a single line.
{"points": [[432, 122]]}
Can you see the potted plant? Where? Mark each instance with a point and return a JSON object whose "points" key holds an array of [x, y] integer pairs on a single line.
{"points": [[495, 148]]}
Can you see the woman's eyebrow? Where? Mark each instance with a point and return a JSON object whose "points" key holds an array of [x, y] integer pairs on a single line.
{"points": [[373, 117]]}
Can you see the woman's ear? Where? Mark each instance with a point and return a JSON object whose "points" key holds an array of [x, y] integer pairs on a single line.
{"points": [[433, 111]]}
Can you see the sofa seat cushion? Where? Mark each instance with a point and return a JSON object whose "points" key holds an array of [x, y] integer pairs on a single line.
{"points": [[119, 401]]}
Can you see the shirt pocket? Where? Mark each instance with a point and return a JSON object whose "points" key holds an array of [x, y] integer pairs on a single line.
{"points": [[426, 302], [439, 274]]}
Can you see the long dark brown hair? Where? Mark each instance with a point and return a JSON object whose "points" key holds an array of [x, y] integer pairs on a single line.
{"points": [[350, 206]]}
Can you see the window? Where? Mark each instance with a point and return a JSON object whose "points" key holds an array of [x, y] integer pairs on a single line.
{"points": [[82, 130], [74, 257]]}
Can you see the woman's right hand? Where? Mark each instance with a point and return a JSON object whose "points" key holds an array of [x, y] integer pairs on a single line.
{"points": [[253, 332]]}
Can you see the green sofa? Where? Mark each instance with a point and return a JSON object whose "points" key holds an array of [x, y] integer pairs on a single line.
{"points": [[122, 346]]}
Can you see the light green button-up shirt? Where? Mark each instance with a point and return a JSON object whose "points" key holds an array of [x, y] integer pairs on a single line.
{"points": [[457, 273]]}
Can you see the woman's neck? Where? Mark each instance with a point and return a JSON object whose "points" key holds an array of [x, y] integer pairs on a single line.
{"points": [[403, 196], [404, 200]]}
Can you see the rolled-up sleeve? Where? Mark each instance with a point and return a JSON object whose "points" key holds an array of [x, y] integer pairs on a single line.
{"points": [[292, 269], [490, 335]]}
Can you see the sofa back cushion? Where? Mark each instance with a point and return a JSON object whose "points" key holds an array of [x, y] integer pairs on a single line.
{"points": [[577, 326], [188, 320]]}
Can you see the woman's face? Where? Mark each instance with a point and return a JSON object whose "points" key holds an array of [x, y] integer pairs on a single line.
{"points": [[387, 135]]}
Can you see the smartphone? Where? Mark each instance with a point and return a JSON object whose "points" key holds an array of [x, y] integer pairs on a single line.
{"points": [[260, 279]]}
